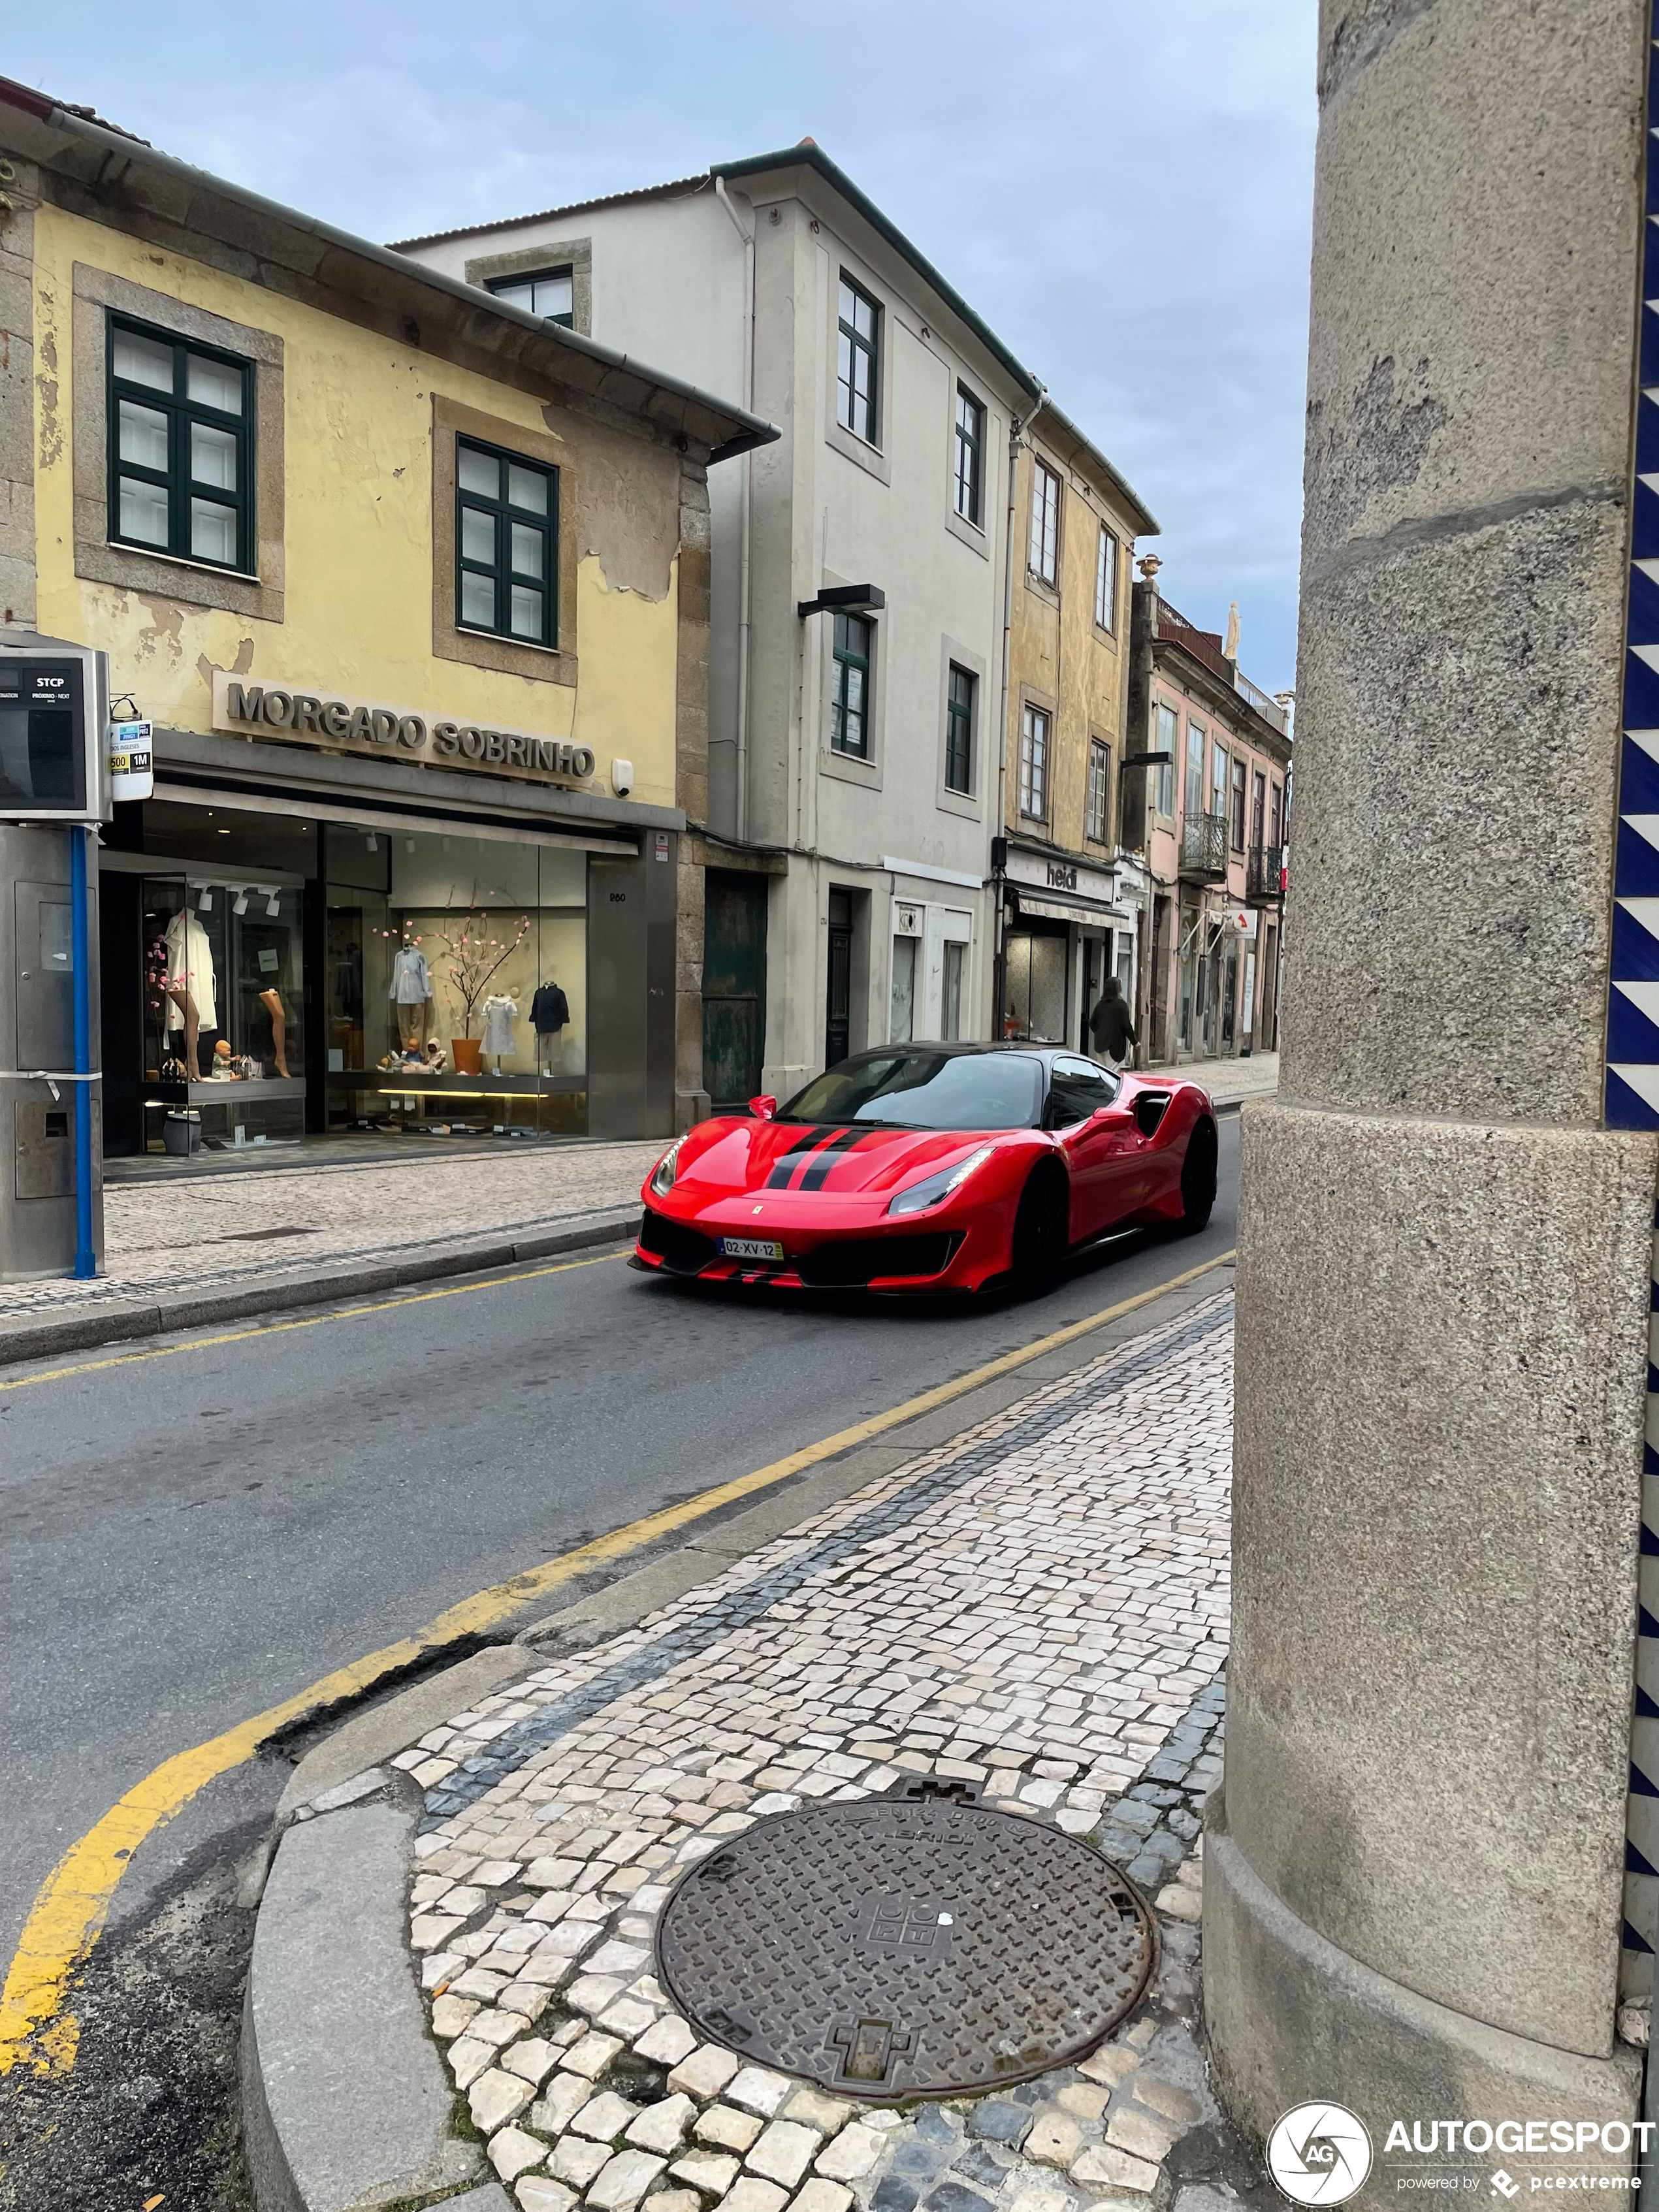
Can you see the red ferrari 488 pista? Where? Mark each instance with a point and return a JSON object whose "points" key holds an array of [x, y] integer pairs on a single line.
{"points": [[930, 1168]]}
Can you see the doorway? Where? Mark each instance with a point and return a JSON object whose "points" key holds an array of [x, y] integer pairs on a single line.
{"points": [[838, 995], [733, 985]]}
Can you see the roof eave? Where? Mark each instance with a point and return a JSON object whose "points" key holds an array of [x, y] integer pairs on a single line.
{"points": [[720, 426]]}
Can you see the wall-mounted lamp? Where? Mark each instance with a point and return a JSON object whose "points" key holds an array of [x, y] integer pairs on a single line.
{"points": [[844, 600]]}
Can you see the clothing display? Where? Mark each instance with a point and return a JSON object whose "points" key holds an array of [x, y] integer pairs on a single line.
{"points": [[412, 979], [550, 1010], [411, 1021], [499, 1013], [190, 970]]}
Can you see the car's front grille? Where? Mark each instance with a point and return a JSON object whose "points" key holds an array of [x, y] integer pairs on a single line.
{"points": [[859, 1259], [685, 1251]]}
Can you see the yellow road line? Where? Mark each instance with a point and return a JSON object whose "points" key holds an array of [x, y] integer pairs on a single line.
{"points": [[74, 1901], [310, 1320]]}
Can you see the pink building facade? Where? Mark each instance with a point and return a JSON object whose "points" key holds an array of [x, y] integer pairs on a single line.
{"points": [[1211, 816]]}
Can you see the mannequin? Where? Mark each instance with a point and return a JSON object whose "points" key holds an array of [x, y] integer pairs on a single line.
{"points": [[189, 983], [500, 1013], [272, 1000], [550, 1010], [411, 988]]}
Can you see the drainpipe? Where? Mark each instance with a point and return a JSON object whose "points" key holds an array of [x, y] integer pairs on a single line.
{"points": [[1016, 429], [746, 232]]}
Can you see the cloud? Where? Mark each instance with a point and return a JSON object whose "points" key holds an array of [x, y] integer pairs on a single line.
{"points": [[1123, 192]]}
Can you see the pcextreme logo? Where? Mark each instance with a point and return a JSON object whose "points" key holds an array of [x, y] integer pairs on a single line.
{"points": [[1319, 2154]]}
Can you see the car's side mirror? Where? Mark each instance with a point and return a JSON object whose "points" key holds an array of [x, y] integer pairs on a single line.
{"points": [[763, 1108]]}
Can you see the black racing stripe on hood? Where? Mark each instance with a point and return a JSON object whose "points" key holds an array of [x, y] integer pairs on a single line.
{"points": [[785, 1164], [819, 1172]]}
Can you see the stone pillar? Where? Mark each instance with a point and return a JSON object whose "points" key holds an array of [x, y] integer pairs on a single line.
{"points": [[1413, 1884]]}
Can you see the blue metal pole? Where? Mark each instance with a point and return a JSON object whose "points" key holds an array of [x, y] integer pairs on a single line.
{"points": [[86, 1260]]}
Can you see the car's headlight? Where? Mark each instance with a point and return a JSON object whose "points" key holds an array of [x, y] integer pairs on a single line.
{"points": [[938, 1188], [662, 1176]]}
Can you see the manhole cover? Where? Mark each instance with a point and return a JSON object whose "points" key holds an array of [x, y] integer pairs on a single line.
{"points": [[904, 1947]]}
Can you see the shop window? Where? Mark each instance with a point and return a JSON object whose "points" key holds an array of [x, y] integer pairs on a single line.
{"points": [[180, 481], [507, 528], [457, 984], [849, 687], [1238, 805], [1034, 986], [224, 998], [858, 362]]}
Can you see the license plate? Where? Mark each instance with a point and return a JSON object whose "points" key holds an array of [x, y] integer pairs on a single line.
{"points": [[750, 1248]]}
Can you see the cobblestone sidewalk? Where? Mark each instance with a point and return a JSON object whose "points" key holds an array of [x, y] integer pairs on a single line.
{"points": [[1038, 1608], [215, 1232]]}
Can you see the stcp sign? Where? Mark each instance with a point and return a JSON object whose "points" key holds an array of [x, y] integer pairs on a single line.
{"points": [[326, 719]]}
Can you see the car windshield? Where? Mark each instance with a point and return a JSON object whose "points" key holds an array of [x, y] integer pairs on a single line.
{"points": [[926, 1090]]}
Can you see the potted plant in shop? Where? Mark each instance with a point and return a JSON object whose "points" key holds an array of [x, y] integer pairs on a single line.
{"points": [[473, 953]]}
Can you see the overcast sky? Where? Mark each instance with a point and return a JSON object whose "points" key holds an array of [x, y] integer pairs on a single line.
{"points": [[1120, 189]]}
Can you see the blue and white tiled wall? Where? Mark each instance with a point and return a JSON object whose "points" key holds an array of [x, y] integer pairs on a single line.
{"points": [[1633, 1093]]}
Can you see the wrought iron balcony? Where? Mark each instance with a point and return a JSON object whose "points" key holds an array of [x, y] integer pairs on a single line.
{"points": [[1204, 848], [1264, 874]]}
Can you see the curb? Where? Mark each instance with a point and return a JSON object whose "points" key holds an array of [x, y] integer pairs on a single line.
{"points": [[319, 1942], [120, 1320]]}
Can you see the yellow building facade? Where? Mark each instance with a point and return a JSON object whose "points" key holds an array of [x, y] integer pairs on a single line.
{"points": [[412, 587], [1071, 893]]}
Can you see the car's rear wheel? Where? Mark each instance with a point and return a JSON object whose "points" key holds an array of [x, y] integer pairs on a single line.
{"points": [[1198, 1178], [1040, 1231]]}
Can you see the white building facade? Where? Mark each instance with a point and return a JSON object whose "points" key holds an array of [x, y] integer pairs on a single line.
{"points": [[854, 751]]}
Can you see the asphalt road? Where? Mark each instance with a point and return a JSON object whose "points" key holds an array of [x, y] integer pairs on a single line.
{"points": [[188, 1540]]}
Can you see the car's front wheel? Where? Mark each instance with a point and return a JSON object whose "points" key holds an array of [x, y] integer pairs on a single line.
{"points": [[1040, 1231], [1198, 1178]]}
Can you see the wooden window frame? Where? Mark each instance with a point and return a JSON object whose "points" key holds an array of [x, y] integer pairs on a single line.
{"points": [[181, 413], [970, 448], [1106, 562], [505, 516], [844, 659], [1098, 802], [1043, 540], [1034, 761], [855, 344], [960, 715], [496, 286]]}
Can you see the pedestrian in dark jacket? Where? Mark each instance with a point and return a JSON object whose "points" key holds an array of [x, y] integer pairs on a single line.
{"points": [[1111, 1027]]}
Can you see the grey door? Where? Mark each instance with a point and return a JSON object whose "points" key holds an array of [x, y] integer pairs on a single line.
{"points": [[733, 985], [617, 1093]]}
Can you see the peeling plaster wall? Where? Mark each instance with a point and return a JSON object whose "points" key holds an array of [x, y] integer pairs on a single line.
{"points": [[357, 614]]}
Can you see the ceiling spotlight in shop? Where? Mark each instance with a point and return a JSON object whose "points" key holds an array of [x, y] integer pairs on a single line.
{"points": [[373, 842], [239, 906], [204, 904], [271, 905]]}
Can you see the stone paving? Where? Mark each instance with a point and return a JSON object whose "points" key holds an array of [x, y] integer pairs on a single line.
{"points": [[213, 1231], [1037, 1609]]}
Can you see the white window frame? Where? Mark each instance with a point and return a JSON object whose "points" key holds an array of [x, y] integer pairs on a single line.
{"points": [[1042, 549]]}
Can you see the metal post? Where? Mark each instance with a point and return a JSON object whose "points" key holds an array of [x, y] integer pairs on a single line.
{"points": [[86, 1259]]}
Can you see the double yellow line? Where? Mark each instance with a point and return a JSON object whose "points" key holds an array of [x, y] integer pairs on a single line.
{"points": [[73, 1903]]}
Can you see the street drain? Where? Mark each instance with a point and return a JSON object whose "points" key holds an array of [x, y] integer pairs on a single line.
{"points": [[919, 1945]]}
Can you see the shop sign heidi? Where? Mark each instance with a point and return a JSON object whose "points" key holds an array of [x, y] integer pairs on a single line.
{"points": [[364, 726]]}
